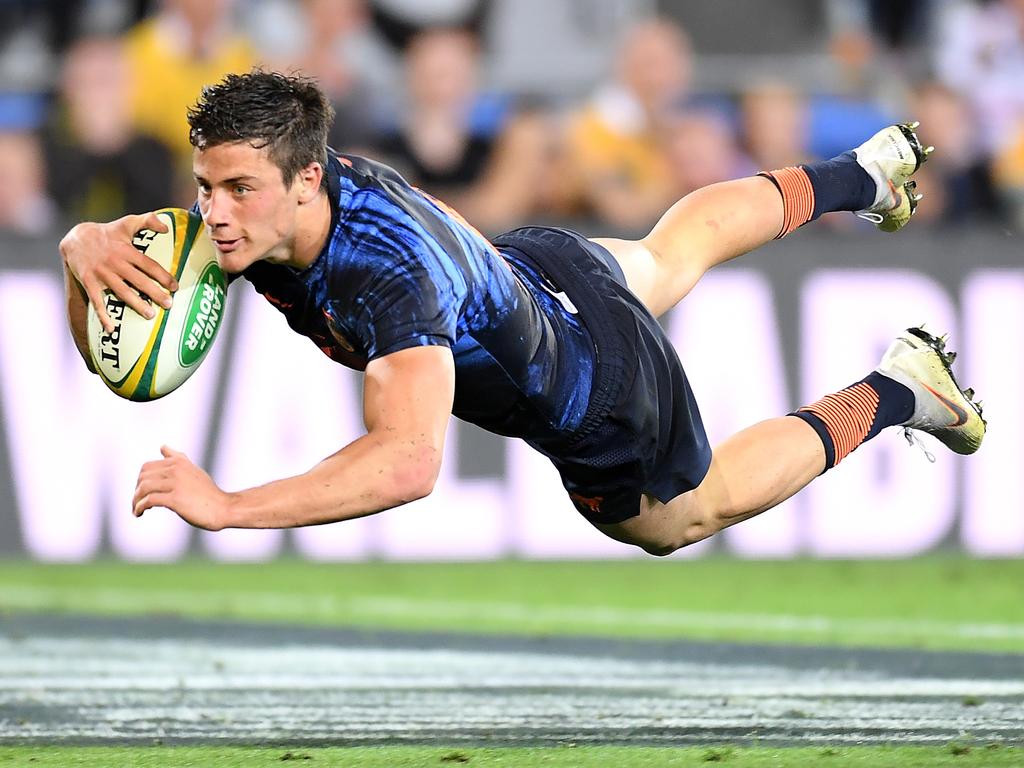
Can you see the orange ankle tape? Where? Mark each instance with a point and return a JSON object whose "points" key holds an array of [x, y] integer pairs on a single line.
{"points": [[797, 197], [848, 416]]}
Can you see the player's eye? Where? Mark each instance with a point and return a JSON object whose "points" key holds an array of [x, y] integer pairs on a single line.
{"points": [[240, 190], [204, 189]]}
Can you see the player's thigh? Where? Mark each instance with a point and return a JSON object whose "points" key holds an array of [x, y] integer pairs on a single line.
{"points": [[638, 265]]}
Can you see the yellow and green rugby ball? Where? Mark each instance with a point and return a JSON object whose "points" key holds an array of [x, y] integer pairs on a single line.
{"points": [[143, 359]]}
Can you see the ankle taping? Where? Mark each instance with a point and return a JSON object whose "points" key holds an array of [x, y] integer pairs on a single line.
{"points": [[797, 197], [852, 416], [808, 191]]}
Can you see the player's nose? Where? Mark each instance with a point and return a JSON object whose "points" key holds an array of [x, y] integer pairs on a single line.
{"points": [[217, 209]]}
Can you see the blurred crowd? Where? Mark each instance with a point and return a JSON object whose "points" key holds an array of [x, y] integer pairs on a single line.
{"points": [[93, 96]]}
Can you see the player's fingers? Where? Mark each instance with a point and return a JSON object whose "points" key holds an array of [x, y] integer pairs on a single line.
{"points": [[154, 270], [95, 293], [149, 501], [152, 220], [152, 466], [112, 276], [153, 479], [149, 286], [135, 222], [142, 486], [148, 220], [170, 453], [127, 293], [151, 482], [137, 500]]}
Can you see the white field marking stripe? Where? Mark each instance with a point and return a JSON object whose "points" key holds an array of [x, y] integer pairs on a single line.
{"points": [[120, 689], [518, 613], [749, 688], [300, 605]]}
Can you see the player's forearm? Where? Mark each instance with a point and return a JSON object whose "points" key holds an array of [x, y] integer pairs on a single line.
{"points": [[77, 313], [369, 475]]}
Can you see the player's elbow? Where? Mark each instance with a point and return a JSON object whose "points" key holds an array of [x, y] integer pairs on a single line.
{"points": [[415, 486], [415, 472]]}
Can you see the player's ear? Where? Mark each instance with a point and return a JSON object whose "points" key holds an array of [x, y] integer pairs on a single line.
{"points": [[309, 182]]}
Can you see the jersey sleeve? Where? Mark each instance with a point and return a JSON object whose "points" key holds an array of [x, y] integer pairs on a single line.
{"points": [[403, 291]]}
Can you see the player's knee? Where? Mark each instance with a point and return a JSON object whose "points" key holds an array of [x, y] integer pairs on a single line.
{"points": [[671, 545], [688, 526], [662, 543], [661, 550]]}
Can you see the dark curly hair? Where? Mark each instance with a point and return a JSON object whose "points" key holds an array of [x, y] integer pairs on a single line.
{"points": [[287, 114]]}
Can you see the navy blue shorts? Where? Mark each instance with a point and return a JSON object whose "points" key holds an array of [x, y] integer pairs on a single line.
{"points": [[642, 432]]}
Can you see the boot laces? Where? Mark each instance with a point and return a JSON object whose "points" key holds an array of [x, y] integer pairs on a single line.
{"points": [[912, 437], [874, 218]]}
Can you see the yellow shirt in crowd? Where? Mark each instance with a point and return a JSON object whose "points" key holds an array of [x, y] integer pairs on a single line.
{"points": [[168, 80]]}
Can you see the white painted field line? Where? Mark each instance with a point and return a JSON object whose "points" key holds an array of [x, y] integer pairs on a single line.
{"points": [[596, 616], [303, 606]]}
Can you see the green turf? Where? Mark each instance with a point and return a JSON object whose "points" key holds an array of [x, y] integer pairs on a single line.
{"points": [[961, 755], [934, 602]]}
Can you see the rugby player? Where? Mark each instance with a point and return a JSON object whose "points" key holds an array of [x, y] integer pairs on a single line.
{"points": [[542, 334]]}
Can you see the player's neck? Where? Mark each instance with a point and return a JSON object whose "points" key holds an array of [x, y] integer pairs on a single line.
{"points": [[313, 224]]}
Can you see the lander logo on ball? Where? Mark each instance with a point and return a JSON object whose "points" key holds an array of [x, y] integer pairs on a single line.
{"points": [[204, 315]]}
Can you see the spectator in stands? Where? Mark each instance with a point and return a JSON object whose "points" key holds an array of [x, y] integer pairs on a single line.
{"points": [[701, 149], [615, 141], [24, 207], [868, 86], [957, 178], [173, 54], [466, 147], [97, 165], [400, 21], [1008, 174], [893, 32], [775, 125], [980, 54], [327, 49]]}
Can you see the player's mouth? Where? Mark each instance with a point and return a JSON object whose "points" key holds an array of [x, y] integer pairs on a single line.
{"points": [[227, 246]]}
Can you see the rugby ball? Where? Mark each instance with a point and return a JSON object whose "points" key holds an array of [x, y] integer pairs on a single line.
{"points": [[143, 359]]}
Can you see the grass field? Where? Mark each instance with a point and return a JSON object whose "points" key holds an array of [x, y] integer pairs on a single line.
{"points": [[931, 603], [556, 757], [936, 602]]}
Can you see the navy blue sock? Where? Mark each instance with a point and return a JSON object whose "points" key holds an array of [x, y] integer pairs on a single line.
{"points": [[840, 184], [895, 402]]}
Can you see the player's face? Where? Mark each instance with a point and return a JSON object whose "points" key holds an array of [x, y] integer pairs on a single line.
{"points": [[249, 212]]}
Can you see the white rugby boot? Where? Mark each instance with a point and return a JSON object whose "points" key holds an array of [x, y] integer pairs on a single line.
{"points": [[891, 157], [920, 362]]}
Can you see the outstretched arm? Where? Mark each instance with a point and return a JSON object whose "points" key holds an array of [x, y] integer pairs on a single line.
{"points": [[407, 400]]}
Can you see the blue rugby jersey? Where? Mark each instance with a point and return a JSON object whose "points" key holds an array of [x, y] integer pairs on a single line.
{"points": [[402, 270]]}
